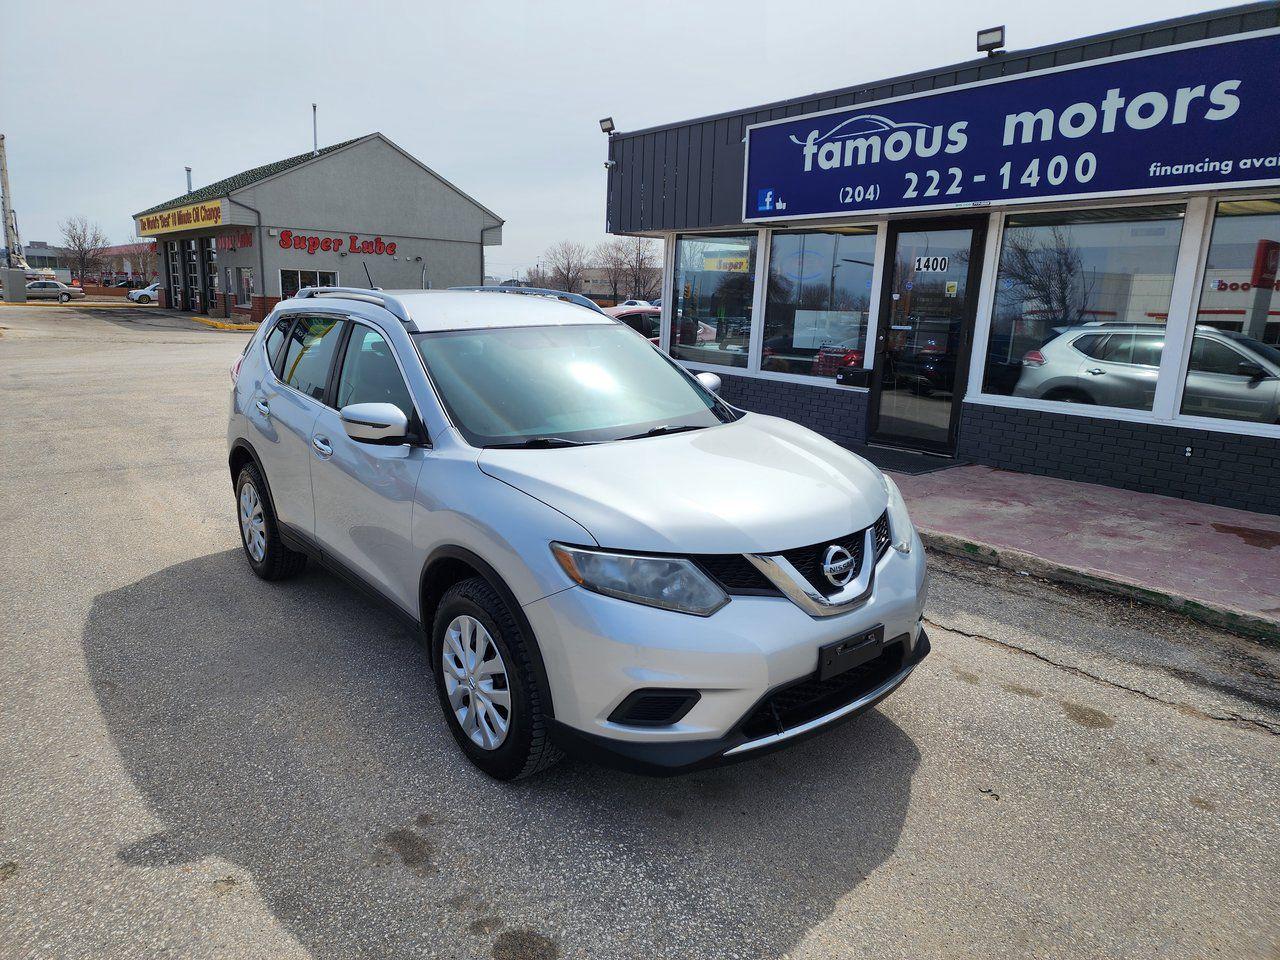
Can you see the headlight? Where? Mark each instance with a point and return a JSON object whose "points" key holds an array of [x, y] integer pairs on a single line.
{"points": [[900, 529], [667, 582]]}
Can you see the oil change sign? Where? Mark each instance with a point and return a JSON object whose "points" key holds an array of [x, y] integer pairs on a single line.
{"points": [[1200, 115]]}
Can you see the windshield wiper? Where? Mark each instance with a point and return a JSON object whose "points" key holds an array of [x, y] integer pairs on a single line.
{"points": [[534, 443], [660, 431]]}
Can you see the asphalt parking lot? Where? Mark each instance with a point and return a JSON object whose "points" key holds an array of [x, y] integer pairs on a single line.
{"points": [[194, 763]]}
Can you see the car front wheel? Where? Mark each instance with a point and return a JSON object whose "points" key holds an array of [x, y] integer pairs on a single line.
{"points": [[485, 681], [64, 297], [144, 299]]}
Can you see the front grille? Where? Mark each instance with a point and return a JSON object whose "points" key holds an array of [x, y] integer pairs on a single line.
{"points": [[736, 574], [882, 534], [798, 703], [808, 560]]}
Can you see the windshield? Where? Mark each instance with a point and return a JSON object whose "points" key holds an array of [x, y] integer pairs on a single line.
{"points": [[509, 386]]}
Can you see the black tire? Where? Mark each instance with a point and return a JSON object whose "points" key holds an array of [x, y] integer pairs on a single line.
{"points": [[278, 561], [527, 748], [144, 299], [64, 297]]}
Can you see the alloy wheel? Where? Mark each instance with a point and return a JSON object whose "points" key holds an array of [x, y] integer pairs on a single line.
{"points": [[475, 679], [253, 524]]}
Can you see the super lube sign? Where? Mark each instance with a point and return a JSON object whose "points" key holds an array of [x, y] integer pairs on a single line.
{"points": [[1197, 116]]}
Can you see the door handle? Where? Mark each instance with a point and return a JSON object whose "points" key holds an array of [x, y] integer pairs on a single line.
{"points": [[262, 407], [322, 446], [1096, 372]]}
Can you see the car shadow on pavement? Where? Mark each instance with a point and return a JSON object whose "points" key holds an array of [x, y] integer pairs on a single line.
{"points": [[291, 732]]}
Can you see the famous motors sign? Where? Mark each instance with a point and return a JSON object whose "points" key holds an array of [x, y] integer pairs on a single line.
{"points": [[1195, 116]]}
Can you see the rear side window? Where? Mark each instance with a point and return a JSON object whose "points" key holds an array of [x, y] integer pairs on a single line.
{"points": [[309, 354], [1091, 344]]}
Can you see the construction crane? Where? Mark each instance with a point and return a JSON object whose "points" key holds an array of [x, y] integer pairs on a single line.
{"points": [[15, 260]]}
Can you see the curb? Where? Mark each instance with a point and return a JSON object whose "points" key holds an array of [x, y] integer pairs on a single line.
{"points": [[220, 325], [1214, 615]]}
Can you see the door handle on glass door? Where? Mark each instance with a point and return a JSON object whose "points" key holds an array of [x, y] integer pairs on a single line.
{"points": [[322, 446]]}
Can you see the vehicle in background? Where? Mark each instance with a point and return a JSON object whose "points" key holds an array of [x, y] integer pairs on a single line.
{"points": [[643, 320], [53, 290], [146, 294], [567, 297], [601, 555], [832, 357], [636, 303], [1116, 365]]}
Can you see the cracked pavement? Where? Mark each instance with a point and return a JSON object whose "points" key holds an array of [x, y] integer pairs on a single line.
{"points": [[195, 763]]}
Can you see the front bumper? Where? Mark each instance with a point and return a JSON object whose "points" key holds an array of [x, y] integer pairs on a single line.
{"points": [[599, 650], [683, 756]]}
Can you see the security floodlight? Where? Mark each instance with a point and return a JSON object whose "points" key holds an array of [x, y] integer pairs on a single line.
{"points": [[606, 125], [991, 40]]}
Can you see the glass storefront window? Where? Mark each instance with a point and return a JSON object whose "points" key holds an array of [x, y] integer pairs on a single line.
{"points": [[818, 299], [1234, 370], [244, 286], [714, 286], [1081, 303], [291, 281]]}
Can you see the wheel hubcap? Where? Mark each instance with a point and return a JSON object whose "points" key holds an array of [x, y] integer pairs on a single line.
{"points": [[475, 679], [253, 525]]}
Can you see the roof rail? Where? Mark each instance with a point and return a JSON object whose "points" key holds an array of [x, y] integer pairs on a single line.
{"points": [[564, 295], [389, 303]]}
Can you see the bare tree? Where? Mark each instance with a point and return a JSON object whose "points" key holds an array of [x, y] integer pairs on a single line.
{"points": [[644, 267], [613, 257], [1050, 274], [141, 253], [567, 261], [84, 243]]}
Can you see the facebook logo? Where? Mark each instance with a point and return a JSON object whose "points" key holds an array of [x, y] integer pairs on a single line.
{"points": [[764, 200]]}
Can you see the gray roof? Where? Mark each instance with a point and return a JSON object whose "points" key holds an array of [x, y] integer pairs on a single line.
{"points": [[246, 178]]}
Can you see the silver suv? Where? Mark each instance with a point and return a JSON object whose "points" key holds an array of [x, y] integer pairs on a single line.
{"points": [[1229, 374], [601, 555]]}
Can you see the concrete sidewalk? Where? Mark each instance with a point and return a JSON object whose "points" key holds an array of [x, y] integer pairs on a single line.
{"points": [[1215, 564]]}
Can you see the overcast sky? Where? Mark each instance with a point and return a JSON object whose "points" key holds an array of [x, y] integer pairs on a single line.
{"points": [[103, 110]]}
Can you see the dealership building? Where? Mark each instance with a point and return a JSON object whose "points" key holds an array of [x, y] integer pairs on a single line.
{"points": [[236, 247], [1060, 260]]}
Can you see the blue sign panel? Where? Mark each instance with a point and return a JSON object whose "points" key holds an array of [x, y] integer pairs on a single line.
{"points": [[1201, 115]]}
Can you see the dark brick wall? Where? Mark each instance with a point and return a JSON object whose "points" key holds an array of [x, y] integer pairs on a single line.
{"points": [[1229, 470], [836, 412]]}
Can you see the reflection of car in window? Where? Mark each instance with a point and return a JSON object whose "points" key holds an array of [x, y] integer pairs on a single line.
{"points": [[1228, 375]]}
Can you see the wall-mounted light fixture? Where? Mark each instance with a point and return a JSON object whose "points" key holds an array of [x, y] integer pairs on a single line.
{"points": [[606, 125]]}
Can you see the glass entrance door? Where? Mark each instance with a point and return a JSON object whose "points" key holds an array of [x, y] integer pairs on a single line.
{"points": [[925, 328]]}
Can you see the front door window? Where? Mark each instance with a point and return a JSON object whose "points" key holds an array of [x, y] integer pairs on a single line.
{"points": [[922, 343]]}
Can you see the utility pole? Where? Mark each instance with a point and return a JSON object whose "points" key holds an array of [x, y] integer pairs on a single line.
{"points": [[315, 133], [14, 260]]}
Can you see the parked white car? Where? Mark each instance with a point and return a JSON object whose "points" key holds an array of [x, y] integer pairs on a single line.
{"points": [[145, 294], [600, 554]]}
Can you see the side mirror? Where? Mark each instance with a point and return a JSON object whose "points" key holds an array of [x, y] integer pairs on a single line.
{"points": [[709, 380], [375, 422], [1254, 371]]}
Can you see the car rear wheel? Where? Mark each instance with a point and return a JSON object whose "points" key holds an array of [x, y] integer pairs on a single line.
{"points": [[485, 682], [259, 533]]}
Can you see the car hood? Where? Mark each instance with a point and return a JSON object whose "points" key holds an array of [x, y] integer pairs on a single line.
{"points": [[757, 485]]}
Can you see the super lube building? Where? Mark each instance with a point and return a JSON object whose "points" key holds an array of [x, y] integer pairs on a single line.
{"points": [[1060, 260], [354, 213]]}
